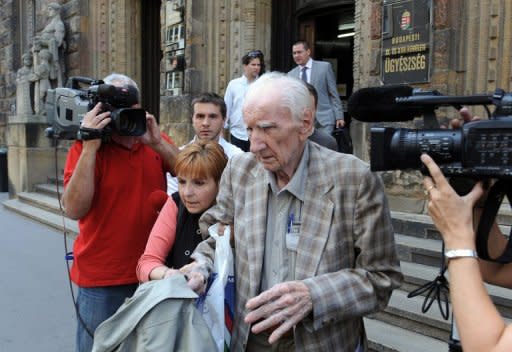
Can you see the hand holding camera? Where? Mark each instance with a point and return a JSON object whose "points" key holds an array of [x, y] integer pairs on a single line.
{"points": [[96, 119], [68, 107]]}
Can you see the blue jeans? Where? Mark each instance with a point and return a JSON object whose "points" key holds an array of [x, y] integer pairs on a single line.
{"points": [[96, 304]]}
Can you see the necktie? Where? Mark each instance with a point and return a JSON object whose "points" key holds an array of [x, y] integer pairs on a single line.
{"points": [[303, 75]]}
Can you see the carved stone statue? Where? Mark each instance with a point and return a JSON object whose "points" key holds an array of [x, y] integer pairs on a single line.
{"points": [[42, 74], [25, 87], [52, 39]]}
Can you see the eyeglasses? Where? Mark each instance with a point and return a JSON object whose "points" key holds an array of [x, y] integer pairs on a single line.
{"points": [[255, 53]]}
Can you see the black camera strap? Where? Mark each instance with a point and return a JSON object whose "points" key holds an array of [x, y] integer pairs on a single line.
{"points": [[86, 134], [491, 207]]}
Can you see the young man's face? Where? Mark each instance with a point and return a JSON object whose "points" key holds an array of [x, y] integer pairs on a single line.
{"points": [[207, 121], [300, 55]]}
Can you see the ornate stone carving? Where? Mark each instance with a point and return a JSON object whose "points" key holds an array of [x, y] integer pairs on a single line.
{"points": [[52, 39], [43, 65], [25, 86]]}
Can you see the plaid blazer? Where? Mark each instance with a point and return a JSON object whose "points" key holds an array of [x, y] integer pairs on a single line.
{"points": [[346, 253]]}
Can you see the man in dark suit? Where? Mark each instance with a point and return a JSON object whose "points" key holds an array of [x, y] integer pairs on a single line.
{"points": [[321, 76], [318, 136]]}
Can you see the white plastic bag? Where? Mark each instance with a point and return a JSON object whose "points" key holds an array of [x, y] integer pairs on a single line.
{"points": [[218, 303]]}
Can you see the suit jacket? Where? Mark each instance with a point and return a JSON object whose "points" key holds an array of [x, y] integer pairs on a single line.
{"points": [[160, 316], [346, 252], [324, 139], [329, 107]]}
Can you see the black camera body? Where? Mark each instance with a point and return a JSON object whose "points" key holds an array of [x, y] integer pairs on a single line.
{"points": [[66, 107], [479, 150]]}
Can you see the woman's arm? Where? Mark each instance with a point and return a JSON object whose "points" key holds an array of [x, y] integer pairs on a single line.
{"points": [[479, 324], [151, 265]]}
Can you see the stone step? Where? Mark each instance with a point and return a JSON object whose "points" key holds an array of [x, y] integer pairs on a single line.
{"points": [[407, 314], [384, 337], [60, 180], [418, 250], [41, 200], [416, 275], [422, 250], [43, 216], [50, 189], [420, 225]]}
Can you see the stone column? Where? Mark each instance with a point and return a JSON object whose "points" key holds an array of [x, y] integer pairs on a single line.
{"points": [[30, 156]]}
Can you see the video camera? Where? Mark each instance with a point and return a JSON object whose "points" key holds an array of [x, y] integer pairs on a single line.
{"points": [[480, 150], [66, 107]]}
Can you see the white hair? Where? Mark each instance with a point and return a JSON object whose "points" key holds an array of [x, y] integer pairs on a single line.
{"points": [[292, 92], [120, 80]]}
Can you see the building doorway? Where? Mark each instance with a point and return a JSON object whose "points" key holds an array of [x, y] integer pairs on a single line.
{"points": [[150, 57], [330, 33]]}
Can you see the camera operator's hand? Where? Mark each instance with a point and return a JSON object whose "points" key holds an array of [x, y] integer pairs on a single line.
{"points": [[452, 214], [95, 119], [153, 138], [466, 117]]}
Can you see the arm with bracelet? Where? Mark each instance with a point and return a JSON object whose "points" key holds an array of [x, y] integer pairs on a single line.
{"points": [[480, 326]]}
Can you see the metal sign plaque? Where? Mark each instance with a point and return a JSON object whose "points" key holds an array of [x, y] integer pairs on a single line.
{"points": [[406, 41]]}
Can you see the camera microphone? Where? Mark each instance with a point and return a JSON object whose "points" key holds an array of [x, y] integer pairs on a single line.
{"points": [[378, 104], [106, 90]]}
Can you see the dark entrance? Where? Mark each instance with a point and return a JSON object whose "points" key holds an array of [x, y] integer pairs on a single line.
{"points": [[151, 56], [329, 29], [331, 34]]}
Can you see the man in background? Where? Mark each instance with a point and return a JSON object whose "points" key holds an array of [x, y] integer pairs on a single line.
{"points": [[319, 136], [252, 64], [319, 74], [208, 119]]}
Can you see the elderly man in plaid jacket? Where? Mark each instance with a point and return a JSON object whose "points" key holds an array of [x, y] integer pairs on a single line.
{"points": [[313, 242]]}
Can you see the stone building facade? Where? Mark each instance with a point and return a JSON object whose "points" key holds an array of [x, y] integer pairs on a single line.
{"points": [[177, 48]]}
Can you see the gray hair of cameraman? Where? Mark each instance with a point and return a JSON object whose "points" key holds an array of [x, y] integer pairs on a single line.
{"points": [[292, 92], [120, 80]]}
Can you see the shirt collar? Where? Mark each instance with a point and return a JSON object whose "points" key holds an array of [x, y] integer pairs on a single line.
{"points": [[308, 64], [297, 184]]}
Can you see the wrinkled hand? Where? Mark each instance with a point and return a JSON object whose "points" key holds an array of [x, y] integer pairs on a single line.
{"points": [[222, 228], [284, 306], [195, 279], [451, 213]]}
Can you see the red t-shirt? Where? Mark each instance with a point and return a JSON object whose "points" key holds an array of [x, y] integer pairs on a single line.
{"points": [[114, 232]]}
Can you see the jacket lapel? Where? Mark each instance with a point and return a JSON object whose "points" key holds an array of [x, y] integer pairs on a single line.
{"points": [[256, 225], [314, 74], [318, 210]]}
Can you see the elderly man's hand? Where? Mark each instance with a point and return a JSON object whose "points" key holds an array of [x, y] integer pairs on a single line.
{"points": [[283, 306], [195, 277]]}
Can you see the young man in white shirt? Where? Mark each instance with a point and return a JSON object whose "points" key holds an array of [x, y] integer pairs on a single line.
{"points": [[208, 119], [252, 65]]}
